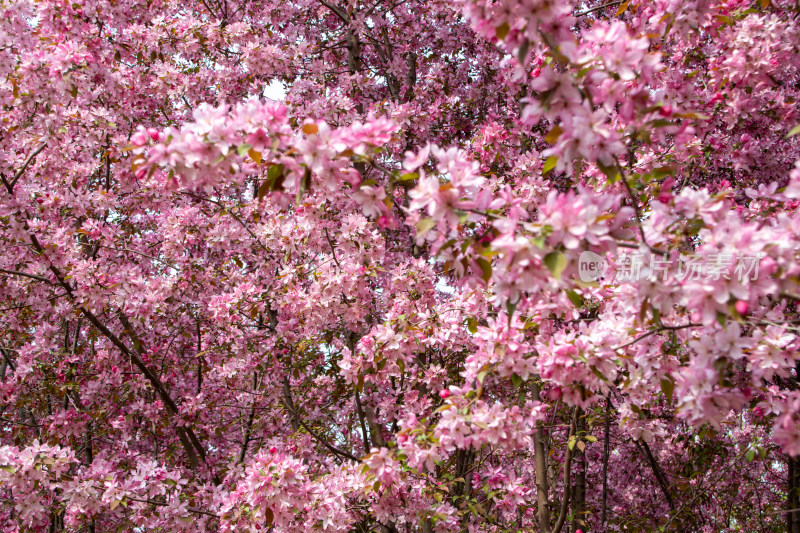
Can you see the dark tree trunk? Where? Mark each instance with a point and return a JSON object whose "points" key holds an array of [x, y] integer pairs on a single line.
{"points": [[540, 457], [579, 498], [792, 496], [606, 451]]}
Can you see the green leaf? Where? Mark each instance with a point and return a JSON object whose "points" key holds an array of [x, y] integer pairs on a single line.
{"points": [[611, 171], [304, 184], [794, 131], [447, 245], [502, 31], [558, 56], [556, 262], [243, 148], [425, 225], [516, 380], [263, 189], [553, 135], [408, 176], [510, 308], [273, 182], [486, 269], [576, 299], [472, 325], [661, 172], [598, 373], [571, 443], [667, 387], [751, 453], [549, 164]]}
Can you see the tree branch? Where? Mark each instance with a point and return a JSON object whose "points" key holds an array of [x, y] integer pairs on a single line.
{"points": [[319, 438], [25, 275], [562, 516], [662, 482], [24, 167], [598, 8]]}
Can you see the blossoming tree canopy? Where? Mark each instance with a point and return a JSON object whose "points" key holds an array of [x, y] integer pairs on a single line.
{"points": [[486, 266]]}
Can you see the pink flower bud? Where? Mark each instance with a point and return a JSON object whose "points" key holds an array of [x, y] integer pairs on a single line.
{"points": [[444, 393], [665, 111], [742, 307], [536, 72], [274, 449]]}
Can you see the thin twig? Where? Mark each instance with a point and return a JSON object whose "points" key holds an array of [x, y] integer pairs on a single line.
{"points": [[653, 332], [25, 275], [562, 515], [316, 436], [164, 504], [598, 8], [25, 166]]}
